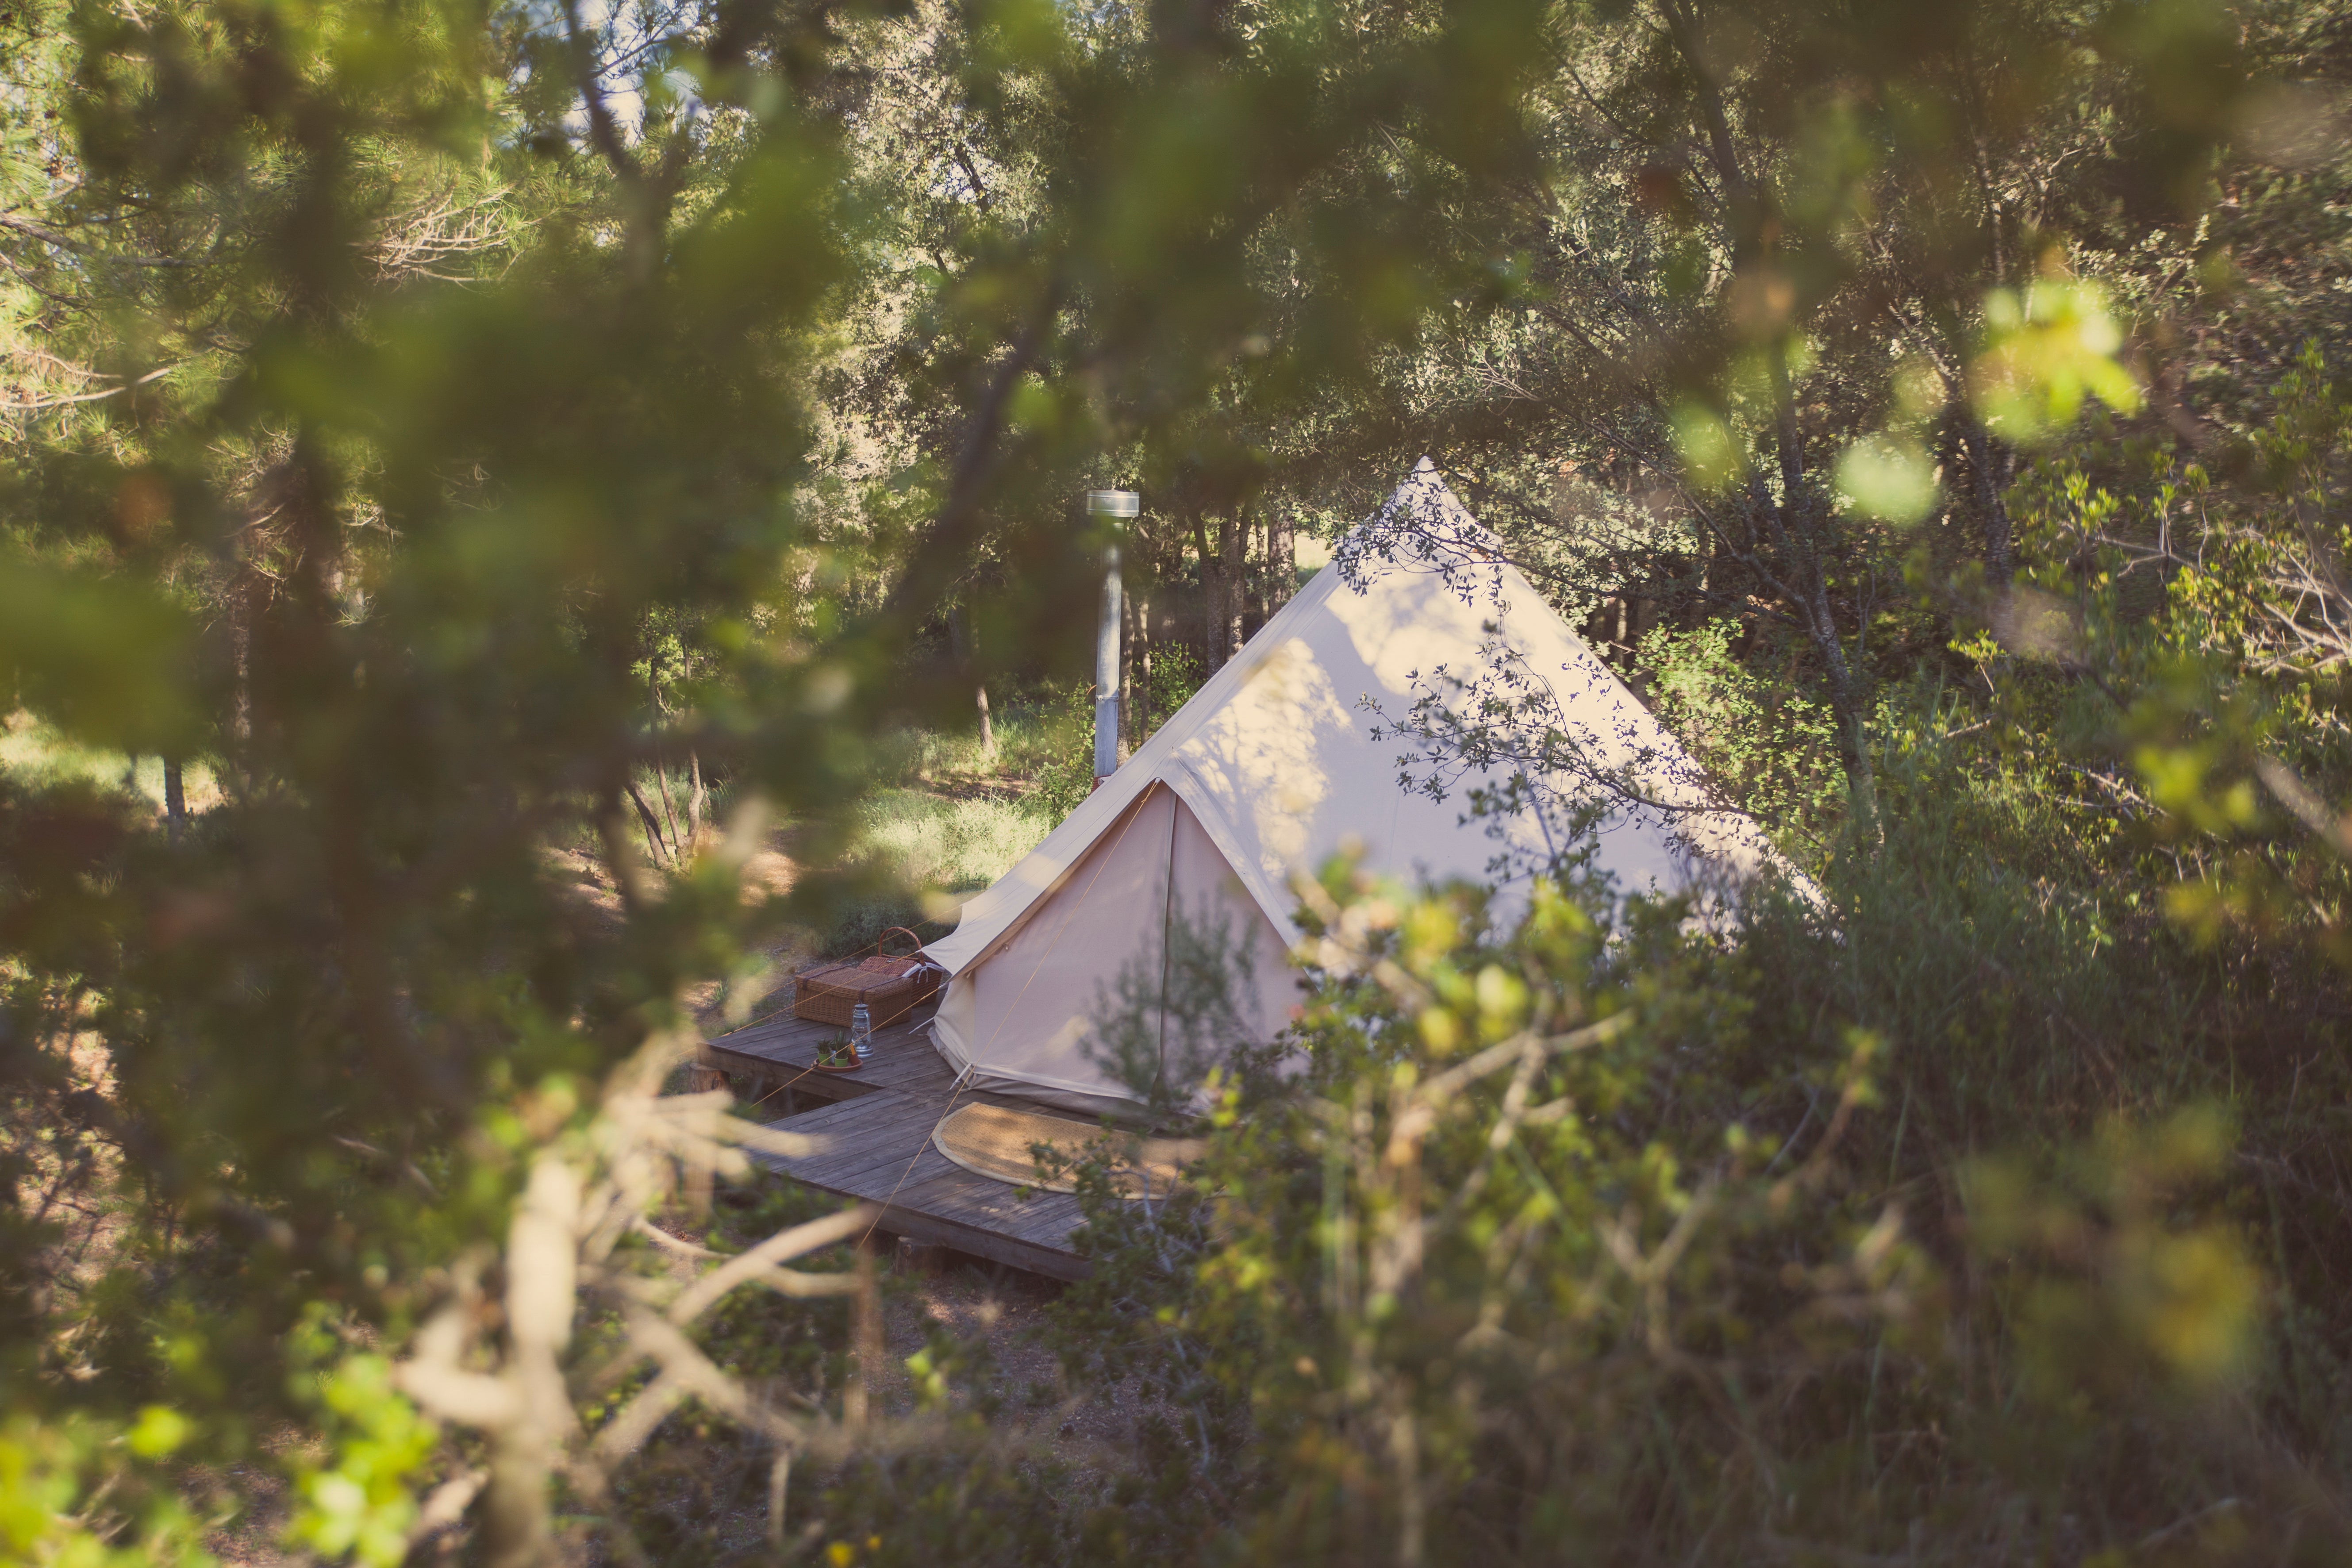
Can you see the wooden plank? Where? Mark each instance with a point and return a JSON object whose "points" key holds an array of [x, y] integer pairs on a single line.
{"points": [[873, 1141], [908, 1065], [800, 1075], [834, 1130], [893, 1162], [1042, 1219], [1054, 1263], [1056, 1220], [1046, 1219], [965, 1195], [839, 1131], [782, 1038], [928, 1216], [779, 1054], [897, 1065], [758, 1056], [773, 1067], [1049, 1219], [785, 1040], [861, 1167], [871, 1133], [764, 1079], [857, 1179], [843, 1114], [867, 1114], [914, 1167], [953, 1211]]}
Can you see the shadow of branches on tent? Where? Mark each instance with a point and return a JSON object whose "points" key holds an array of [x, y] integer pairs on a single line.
{"points": [[1179, 1009]]}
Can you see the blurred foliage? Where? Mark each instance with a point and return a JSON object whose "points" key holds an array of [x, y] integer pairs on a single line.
{"points": [[73, 1491], [462, 434]]}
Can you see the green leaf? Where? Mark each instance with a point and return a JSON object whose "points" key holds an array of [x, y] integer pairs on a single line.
{"points": [[108, 661]]}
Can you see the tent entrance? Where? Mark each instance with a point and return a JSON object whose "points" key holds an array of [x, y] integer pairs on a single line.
{"points": [[1023, 1017]]}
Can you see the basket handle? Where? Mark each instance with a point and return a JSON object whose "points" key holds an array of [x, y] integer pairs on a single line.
{"points": [[911, 936]]}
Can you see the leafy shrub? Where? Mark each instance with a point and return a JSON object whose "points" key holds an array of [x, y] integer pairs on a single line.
{"points": [[1068, 775], [1176, 673], [1559, 1249], [1773, 749]]}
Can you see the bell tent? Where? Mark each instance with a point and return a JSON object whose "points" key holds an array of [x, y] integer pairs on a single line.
{"points": [[1284, 756]]}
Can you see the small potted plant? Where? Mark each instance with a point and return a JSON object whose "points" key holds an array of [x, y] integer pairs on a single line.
{"points": [[837, 1054]]}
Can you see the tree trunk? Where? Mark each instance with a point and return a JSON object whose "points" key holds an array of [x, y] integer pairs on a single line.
{"points": [[661, 773], [677, 843], [1988, 467], [1140, 651], [698, 804], [653, 823], [241, 610], [1801, 558], [1853, 726], [1127, 622], [1255, 530], [1802, 546], [1281, 560], [1211, 594], [516, 1530], [175, 800], [864, 1341], [965, 648], [1233, 544]]}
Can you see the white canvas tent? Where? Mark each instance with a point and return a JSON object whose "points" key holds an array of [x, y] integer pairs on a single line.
{"points": [[1268, 770]]}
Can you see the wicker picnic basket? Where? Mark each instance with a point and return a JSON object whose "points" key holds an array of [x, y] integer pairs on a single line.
{"points": [[891, 987]]}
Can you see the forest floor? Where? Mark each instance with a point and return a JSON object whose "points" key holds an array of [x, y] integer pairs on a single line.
{"points": [[1093, 1432]]}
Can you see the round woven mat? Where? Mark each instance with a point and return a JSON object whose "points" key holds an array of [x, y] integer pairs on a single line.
{"points": [[996, 1141]]}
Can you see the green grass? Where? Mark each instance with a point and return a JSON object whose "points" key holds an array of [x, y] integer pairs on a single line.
{"points": [[947, 819], [35, 753], [937, 849], [951, 818], [1029, 730], [939, 843]]}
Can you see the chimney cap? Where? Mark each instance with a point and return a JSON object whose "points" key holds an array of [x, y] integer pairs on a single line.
{"points": [[1114, 503]]}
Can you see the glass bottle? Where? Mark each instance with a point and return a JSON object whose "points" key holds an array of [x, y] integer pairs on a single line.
{"points": [[861, 1031]]}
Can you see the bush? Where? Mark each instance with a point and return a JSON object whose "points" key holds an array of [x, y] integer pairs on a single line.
{"points": [[1176, 673], [1773, 749], [1570, 1245], [1068, 775]]}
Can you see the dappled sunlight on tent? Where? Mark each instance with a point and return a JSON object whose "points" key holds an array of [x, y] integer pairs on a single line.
{"points": [[1262, 763]]}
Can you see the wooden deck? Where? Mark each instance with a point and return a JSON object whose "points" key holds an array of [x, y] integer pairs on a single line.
{"points": [[872, 1130]]}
